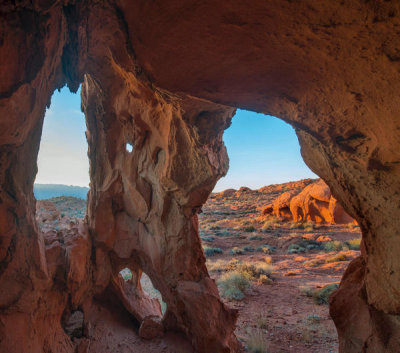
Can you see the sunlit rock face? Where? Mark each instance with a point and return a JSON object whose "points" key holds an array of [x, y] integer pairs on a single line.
{"points": [[163, 76]]}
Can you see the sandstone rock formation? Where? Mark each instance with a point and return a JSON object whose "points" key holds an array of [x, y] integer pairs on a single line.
{"points": [[227, 193], [314, 203], [163, 76]]}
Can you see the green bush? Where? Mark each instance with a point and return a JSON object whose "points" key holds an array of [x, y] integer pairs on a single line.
{"points": [[333, 246], [266, 249], [211, 251], [249, 229], [322, 296], [256, 237], [233, 285], [248, 248]]}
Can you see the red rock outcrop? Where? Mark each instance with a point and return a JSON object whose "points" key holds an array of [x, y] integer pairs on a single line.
{"points": [[227, 193], [316, 203], [150, 72]]}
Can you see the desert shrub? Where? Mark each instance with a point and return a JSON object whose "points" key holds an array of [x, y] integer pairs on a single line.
{"points": [[209, 239], [222, 265], [262, 322], [296, 225], [335, 245], [310, 244], [266, 249], [306, 290], [270, 224], [295, 249], [304, 245], [211, 251], [337, 258], [249, 229], [236, 251], [354, 244], [256, 342], [254, 270], [248, 248], [322, 296], [256, 237], [215, 227], [233, 285], [222, 233]]}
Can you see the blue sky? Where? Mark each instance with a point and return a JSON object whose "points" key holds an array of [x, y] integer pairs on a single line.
{"points": [[262, 149], [63, 148]]}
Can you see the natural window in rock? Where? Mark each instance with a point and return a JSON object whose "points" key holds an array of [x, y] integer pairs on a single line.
{"points": [[275, 237], [152, 292], [147, 286], [129, 147], [62, 180]]}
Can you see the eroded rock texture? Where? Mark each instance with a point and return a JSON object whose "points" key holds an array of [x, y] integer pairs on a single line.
{"points": [[150, 72], [314, 203]]}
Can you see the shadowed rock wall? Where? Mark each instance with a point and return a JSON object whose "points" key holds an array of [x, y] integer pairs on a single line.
{"points": [[150, 71]]}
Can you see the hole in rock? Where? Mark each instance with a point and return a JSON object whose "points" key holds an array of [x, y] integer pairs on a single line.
{"points": [[275, 239], [147, 287], [151, 291], [62, 180], [129, 147]]}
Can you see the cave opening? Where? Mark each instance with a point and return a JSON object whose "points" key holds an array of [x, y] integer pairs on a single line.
{"points": [[62, 181], [276, 241]]}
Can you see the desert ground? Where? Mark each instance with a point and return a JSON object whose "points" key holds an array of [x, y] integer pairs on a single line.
{"points": [[277, 273]]}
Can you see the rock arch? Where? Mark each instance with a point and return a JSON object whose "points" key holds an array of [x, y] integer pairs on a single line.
{"points": [[162, 75]]}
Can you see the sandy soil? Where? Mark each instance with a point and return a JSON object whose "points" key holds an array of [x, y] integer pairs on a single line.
{"points": [[280, 314]]}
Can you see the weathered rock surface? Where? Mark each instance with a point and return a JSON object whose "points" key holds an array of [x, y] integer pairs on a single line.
{"points": [[150, 72], [314, 203]]}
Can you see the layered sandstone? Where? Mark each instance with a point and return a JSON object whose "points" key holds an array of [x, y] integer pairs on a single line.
{"points": [[163, 76]]}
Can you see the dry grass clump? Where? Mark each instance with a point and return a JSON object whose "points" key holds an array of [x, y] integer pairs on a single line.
{"points": [[256, 271], [259, 271], [307, 291], [266, 249], [354, 244], [233, 285], [335, 245], [237, 251], [337, 258], [223, 265], [271, 223], [256, 342]]}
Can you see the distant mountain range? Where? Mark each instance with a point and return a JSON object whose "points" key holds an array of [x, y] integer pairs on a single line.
{"points": [[47, 191]]}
